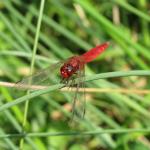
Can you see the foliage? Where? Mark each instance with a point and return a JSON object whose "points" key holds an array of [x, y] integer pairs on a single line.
{"points": [[113, 120]]}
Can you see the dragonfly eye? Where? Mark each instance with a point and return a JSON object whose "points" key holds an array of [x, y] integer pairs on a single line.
{"points": [[69, 68]]}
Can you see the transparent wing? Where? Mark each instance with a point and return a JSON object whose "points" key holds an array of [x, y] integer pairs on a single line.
{"points": [[41, 79], [79, 101]]}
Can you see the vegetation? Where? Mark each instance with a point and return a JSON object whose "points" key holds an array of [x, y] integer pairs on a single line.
{"points": [[36, 34]]}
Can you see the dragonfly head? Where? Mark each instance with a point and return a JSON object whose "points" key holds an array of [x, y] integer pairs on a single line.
{"points": [[66, 70], [69, 68]]}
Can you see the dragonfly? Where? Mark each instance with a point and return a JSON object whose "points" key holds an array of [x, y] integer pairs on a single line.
{"points": [[66, 72]]}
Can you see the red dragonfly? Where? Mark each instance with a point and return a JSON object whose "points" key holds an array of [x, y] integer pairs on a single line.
{"points": [[67, 71]]}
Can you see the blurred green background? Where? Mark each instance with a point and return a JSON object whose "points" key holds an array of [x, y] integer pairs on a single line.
{"points": [[68, 28]]}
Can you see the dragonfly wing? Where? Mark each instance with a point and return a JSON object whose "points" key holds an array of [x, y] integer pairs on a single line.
{"points": [[79, 101], [41, 79]]}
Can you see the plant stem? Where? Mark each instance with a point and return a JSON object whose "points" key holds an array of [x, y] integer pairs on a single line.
{"points": [[32, 67], [89, 78]]}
